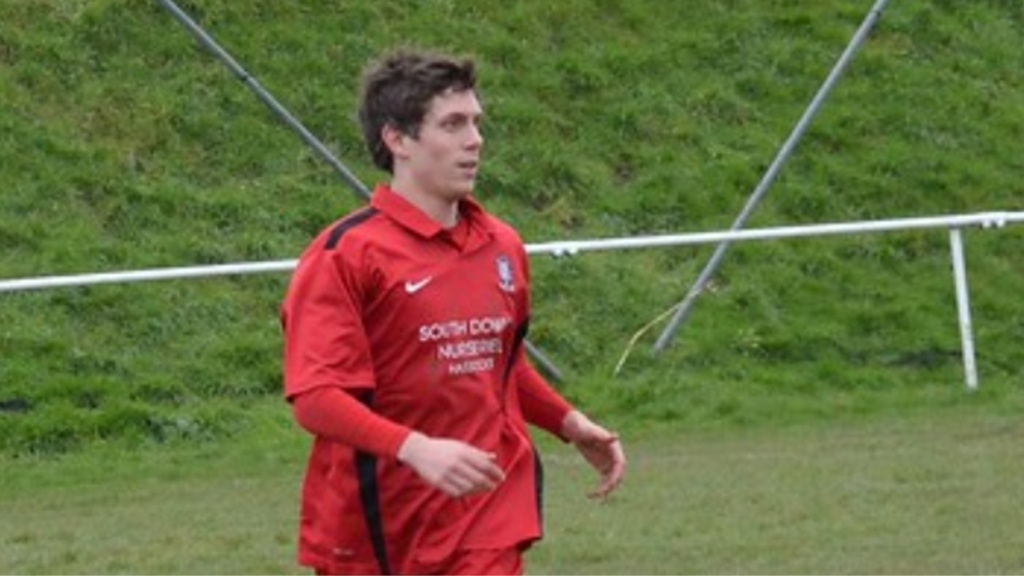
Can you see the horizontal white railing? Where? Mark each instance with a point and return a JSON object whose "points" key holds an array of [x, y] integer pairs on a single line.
{"points": [[984, 220], [559, 248], [572, 247]]}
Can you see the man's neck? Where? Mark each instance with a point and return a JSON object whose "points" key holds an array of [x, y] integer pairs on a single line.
{"points": [[441, 210]]}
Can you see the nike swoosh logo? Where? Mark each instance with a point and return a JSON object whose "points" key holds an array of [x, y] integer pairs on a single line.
{"points": [[414, 287]]}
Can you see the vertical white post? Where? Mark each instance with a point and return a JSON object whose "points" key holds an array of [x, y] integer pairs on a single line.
{"points": [[963, 305]]}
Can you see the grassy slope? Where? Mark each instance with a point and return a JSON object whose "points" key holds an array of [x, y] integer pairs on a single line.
{"points": [[125, 146]]}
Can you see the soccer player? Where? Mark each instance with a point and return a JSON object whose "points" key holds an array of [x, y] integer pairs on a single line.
{"points": [[403, 354]]}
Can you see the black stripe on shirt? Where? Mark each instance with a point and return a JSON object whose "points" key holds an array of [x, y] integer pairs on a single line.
{"points": [[538, 486], [517, 342], [369, 495], [347, 224]]}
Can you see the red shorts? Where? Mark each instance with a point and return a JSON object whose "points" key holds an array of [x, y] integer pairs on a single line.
{"points": [[500, 561]]}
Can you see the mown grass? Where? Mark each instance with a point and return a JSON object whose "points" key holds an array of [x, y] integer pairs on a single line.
{"points": [[126, 146], [931, 492]]}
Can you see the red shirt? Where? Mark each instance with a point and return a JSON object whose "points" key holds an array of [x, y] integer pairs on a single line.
{"points": [[425, 325]]}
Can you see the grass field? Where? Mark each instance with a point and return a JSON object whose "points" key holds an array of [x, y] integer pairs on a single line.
{"points": [[809, 418], [934, 493], [127, 146]]}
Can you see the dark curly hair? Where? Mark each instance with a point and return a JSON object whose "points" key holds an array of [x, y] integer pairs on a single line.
{"points": [[397, 90]]}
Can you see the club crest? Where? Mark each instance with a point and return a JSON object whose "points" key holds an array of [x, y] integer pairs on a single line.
{"points": [[506, 279]]}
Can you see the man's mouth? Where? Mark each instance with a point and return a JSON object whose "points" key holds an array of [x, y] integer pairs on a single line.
{"points": [[468, 167]]}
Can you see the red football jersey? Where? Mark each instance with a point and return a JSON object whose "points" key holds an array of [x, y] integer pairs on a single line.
{"points": [[425, 325]]}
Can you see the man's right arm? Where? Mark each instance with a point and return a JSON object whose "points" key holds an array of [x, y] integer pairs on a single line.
{"points": [[333, 413], [452, 466]]}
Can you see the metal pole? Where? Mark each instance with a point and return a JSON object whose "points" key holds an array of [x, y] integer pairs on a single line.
{"points": [[963, 306], [557, 249], [282, 113], [769, 177], [542, 359], [354, 183], [130, 276]]}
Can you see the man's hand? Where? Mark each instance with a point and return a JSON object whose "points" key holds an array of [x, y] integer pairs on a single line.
{"points": [[452, 466], [599, 447]]}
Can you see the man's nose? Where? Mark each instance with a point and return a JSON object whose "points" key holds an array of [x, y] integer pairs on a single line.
{"points": [[475, 138]]}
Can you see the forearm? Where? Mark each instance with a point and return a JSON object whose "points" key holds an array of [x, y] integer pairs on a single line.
{"points": [[333, 413], [542, 406]]}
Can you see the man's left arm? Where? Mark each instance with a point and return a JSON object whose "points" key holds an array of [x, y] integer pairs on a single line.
{"points": [[543, 407]]}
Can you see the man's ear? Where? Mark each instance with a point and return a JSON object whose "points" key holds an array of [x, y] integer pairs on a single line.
{"points": [[394, 139]]}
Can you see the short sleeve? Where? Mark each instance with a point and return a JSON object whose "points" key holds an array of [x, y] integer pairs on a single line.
{"points": [[325, 342]]}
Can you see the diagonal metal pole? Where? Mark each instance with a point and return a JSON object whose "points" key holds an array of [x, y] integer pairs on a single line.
{"points": [[353, 182], [684, 307], [206, 40]]}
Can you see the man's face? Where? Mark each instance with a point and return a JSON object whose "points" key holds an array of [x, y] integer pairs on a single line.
{"points": [[444, 158]]}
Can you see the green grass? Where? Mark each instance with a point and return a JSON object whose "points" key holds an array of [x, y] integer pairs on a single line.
{"points": [[124, 408], [918, 495], [175, 508], [927, 493], [127, 146]]}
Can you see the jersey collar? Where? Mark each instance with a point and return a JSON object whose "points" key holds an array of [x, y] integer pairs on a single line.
{"points": [[412, 218]]}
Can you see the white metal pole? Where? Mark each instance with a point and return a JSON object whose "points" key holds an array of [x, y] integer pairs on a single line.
{"points": [[128, 276], [557, 249], [963, 305]]}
